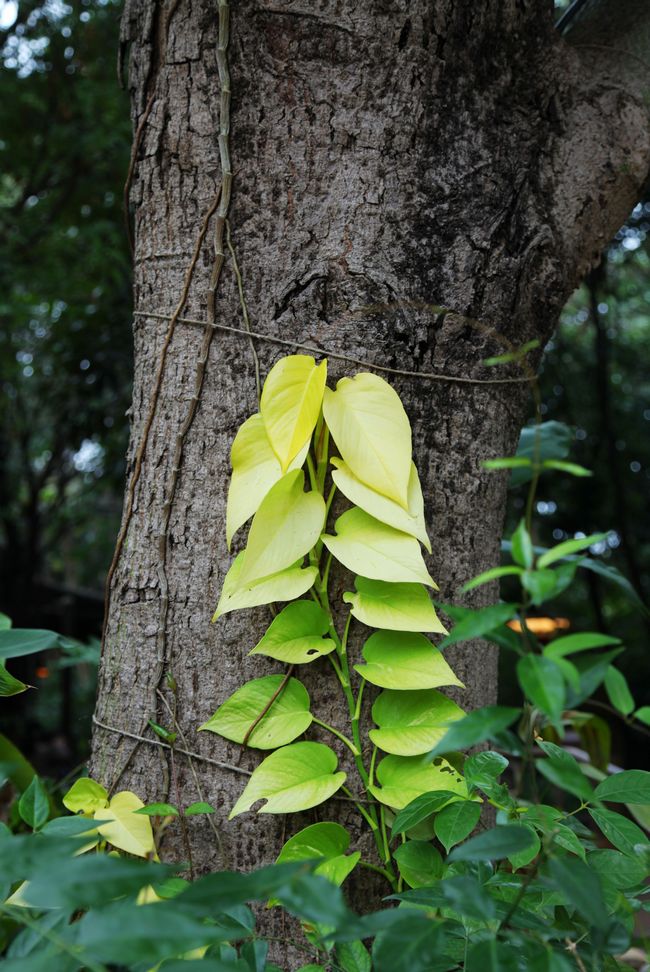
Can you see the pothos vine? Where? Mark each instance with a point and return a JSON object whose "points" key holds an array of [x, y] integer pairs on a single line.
{"points": [[379, 539]]}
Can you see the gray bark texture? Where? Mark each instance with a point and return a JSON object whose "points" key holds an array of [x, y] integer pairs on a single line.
{"points": [[388, 158]]}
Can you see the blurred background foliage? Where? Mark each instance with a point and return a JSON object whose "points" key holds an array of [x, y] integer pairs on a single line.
{"points": [[65, 371]]}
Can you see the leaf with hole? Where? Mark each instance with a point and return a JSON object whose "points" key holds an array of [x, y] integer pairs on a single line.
{"points": [[369, 547], [283, 586], [295, 636], [373, 434], [411, 723], [404, 660], [255, 469], [382, 508], [400, 779], [296, 777], [287, 717], [395, 607], [286, 526], [126, 830], [291, 403]]}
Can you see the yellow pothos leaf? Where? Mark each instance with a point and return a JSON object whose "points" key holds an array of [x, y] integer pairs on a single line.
{"points": [[409, 521], [283, 586], [255, 469], [125, 829], [365, 545], [372, 432], [286, 526], [291, 402]]}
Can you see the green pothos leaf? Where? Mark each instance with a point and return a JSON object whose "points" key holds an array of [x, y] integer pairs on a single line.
{"points": [[400, 779], [288, 714], [293, 778], [295, 636]]}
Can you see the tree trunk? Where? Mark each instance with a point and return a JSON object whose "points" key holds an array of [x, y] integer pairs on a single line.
{"points": [[389, 159]]}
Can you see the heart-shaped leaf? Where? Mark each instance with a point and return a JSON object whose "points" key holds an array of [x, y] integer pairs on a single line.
{"points": [[369, 547], [291, 402], [255, 469], [126, 829], [283, 586], [85, 796], [287, 718], [396, 607], [411, 723], [409, 521], [404, 660], [372, 432], [286, 526], [295, 636], [403, 778], [327, 840], [456, 822], [419, 863], [293, 778]]}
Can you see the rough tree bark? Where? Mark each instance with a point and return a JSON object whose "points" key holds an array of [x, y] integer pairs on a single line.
{"points": [[387, 157]]}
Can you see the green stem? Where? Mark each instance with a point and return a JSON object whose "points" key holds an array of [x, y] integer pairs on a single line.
{"points": [[312, 473], [384, 835], [322, 449], [377, 870], [372, 823], [373, 758], [344, 739]]}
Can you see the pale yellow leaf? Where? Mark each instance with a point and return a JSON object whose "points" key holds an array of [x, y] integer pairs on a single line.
{"points": [[368, 547], [409, 521], [125, 829], [255, 469], [291, 402], [285, 528], [373, 434], [283, 586]]}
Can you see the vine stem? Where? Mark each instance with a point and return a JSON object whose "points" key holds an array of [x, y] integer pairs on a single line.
{"points": [[344, 739]]}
